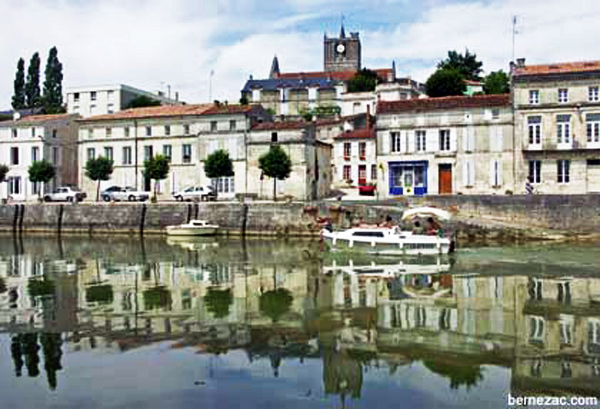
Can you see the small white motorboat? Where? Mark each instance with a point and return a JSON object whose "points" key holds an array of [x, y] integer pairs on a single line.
{"points": [[193, 228]]}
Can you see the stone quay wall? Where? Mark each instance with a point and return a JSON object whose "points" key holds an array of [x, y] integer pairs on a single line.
{"points": [[576, 214]]}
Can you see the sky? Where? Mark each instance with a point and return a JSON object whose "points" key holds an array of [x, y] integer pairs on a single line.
{"points": [[176, 44]]}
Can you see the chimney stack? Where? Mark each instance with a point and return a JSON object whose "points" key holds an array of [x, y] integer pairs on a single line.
{"points": [[521, 62]]}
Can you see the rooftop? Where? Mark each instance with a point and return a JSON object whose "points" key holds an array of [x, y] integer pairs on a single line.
{"points": [[280, 126], [334, 75], [362, 133], [36, 119], [558, 68], [443, 103]]}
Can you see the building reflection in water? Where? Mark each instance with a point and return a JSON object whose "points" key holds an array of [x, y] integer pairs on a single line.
{"points": [[277, 302]]}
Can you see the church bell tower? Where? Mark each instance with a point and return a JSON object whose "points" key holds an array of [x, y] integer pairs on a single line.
{"points": [[342, 53]]}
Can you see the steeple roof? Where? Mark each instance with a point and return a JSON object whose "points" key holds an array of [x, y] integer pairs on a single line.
{"points": [[274, 73]]}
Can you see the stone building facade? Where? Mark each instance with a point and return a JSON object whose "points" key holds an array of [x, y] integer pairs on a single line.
{"points": [[449, 145], [342, 53], [557, 119], [33, 138]]}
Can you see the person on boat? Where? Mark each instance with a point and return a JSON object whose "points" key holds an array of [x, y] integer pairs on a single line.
{"points": [[389, 223], [434, 226], [417, 229]]}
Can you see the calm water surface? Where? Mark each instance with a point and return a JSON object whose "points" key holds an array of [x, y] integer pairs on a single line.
{"points": [[125, 323]]}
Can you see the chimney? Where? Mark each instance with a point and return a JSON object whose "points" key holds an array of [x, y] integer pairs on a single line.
{"points": [[177, 96], [368, 116], [521, 62]]}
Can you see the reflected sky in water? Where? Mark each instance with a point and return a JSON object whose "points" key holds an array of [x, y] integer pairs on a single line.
{"points": [[120, 323]]}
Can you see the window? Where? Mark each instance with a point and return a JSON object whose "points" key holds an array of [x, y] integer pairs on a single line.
{"points": [[594, 331], [593, 94], [93, 110], [93, 95], [347, 172], [373, 172], [534, 125], [444, 139], [186, 129], [90, 133], [91, 153], [534, 97], [495, 113], [469, 172], [126, 155], [495, 173], [14, 133], [167, 130], [148, 131], [55, 155], [213, 126], [14, 185], [167, 152], [563, 171], [284, 94], [362, 150], [347, 150], [232, 125], [396, 141], [593, 127], [14, 156], [563, 132], [35, 154], [54, 133], [187, 153], [110, 96], [420, 141], [148, 152], [255, 95], [110, 108], [108, 153], [33, 132], [108, 132], [563, 95], [535, 171], [76, 97], [312, 94], [273, 136], [536, 329], [564, 292], [76, 109], [126, 131], [224, 185]]}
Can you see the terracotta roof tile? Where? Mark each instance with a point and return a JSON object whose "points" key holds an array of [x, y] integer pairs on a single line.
{"points": [[454, 102], [341, 119], [362, 133], [228, 109], [31, 119], [336, 75], [275, 126], [559, 68], [152, 112]]}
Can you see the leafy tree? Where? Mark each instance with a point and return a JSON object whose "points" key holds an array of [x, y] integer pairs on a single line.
{"points": [[218, 302], [41, 171], [41, 287], [3, 172], [102, 293], [275, 303], [244, 100], [496, 83], [467, 65], [218, 165], [445, 82], [18, 99], [51, 343], [52, 99], [32, 86], [322, 111], [157, 297], [156, 168], [459, 374], [98, 169], [142, 101], [364, 80], [275, 164]]}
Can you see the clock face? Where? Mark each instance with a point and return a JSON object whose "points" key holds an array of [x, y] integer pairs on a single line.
{"points": [[340, 48]]}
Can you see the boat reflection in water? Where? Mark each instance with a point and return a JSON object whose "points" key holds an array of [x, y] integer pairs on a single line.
{"points": [[357, 320]]}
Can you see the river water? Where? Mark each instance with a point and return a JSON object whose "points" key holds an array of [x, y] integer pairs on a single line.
{"points": [[128, 323]]}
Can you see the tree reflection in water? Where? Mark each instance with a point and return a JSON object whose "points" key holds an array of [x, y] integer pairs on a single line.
{"points": [[459, 375], [275, 303], [218, 302], [27, 345]]}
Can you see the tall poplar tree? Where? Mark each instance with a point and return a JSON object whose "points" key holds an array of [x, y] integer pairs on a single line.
{"points": [[32, 86], [18, 99], [52, 99]]}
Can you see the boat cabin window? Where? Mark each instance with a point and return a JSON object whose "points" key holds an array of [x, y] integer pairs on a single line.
{"points": [[368, 233]]}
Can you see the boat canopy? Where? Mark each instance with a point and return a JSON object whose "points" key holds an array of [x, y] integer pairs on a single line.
{"points": [[426, 212]]}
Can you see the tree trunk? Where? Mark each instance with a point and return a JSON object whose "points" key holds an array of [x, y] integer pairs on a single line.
{"points": [[98, 191], [274, 189]]}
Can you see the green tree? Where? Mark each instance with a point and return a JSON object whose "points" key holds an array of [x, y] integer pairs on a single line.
{"points": [[101, 293], [275, 164], [142, 101], [445, 82], [32, 86], [275, 303], [98, 169], [18, 99], [3, 172], [52, 99], [41, 171], [496, 82], [364, 80], [459, 373], [218, 165], [157, 297], [467, 65], [157, 169], [244, 100], [218, 302]]}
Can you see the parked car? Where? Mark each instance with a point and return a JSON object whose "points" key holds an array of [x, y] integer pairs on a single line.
{"points": [[65, 194], [196, 193], [128, 193]]}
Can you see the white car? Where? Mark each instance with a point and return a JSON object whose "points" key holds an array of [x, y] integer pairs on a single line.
{"points": [[196, 193], [65, 194], [129, 193]]}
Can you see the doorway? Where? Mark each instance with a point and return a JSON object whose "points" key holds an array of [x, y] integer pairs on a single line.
{"points": [[445, 179]]}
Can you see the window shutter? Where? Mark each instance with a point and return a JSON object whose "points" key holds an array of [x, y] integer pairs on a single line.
{"points": [[492, 139], [431, 140], [492, 173], [410, 137], [472, 169], [453, 137], [500, 181], [339, 150], [465, 173], [471, 138], [386, 143], [369, 150], [233, 148], [465, 140]]}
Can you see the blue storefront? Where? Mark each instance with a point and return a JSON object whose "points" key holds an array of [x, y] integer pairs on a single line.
{"points": [[408, 178]]}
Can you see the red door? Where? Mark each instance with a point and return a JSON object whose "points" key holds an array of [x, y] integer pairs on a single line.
{"points": [[362, 175], [445, 179]]}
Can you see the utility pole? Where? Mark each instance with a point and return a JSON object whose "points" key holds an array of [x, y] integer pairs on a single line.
{"points": [[212, 72]]}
